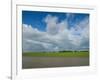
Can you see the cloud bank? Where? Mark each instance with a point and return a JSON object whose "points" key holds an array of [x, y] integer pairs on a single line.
{"points": [[57, 37]]}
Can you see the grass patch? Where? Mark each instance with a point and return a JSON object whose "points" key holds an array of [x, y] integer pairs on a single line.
{"points": [[57, 54]]}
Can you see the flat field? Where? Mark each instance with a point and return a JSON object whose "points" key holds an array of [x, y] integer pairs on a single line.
{"points": [[58, 54], [55, 59]]}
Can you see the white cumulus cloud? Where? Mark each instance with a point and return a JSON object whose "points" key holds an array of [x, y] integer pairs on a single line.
{"points": [[57, 36]]}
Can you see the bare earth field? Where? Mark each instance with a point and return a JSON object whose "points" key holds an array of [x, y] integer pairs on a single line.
{"points": [[46, 62]]}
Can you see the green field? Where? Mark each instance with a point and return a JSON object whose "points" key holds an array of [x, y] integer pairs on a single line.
{"points": [[57, 54]]}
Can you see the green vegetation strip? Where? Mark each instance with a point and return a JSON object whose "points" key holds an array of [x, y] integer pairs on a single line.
{"points": [[57, 54]]}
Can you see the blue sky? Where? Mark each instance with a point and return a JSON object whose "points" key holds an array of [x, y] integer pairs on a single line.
{"points": [[55, 31], [35, 18]]}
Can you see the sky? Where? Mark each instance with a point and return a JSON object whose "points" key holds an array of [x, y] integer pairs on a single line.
{"points": [[54, 31]]}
